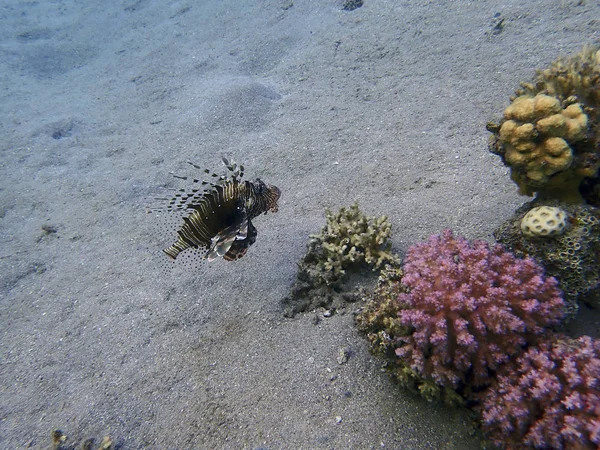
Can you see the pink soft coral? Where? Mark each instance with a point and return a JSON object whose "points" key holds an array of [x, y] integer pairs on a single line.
{"points": [[549, 398], [471, 307]]}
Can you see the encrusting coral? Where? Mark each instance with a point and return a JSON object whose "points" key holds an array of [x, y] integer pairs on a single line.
{"points": [[548, 398], [348, 240], [550, 133], [467, 307], [572, 257]]}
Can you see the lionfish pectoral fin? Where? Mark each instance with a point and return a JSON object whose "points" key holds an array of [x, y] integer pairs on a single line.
{"points": [[219, 249], [223, 241], [242, 232]]}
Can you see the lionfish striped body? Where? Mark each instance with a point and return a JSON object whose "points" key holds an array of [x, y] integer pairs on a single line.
{"points": [[220, 217]]}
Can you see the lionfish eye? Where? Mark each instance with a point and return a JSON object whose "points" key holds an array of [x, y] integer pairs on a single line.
{"points": [[260, 187]]}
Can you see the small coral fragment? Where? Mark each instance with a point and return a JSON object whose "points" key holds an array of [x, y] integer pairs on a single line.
{"points": [[58, 438], [106, 443], [544, 221]]}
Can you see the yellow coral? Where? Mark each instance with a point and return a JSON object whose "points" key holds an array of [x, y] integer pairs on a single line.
{"points": [[550, 133], [537, 134], [577, 123]]}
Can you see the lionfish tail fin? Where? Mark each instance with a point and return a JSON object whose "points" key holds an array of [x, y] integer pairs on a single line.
{"points": [[174, 250]]}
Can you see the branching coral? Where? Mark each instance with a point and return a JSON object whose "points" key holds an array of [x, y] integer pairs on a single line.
{"points": [[348, 240], [550, 132], [378, 319], [470, 307], [548, 398], [577, 75], [455, 313]]}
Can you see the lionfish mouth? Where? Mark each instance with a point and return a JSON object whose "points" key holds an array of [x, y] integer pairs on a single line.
{"points": [[218, 218]]}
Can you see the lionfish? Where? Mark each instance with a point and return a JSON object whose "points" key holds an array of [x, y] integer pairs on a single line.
{"points": [[219, 218]]}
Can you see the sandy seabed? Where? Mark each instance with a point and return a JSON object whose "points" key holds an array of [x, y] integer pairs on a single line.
{"points": [[386, 105]]}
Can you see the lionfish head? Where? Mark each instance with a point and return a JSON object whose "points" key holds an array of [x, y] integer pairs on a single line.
{"points": [[268, 194]]}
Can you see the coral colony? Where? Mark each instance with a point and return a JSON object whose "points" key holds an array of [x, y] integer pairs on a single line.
{"points": [[470, 307], [348, 240], [462, 310]]}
